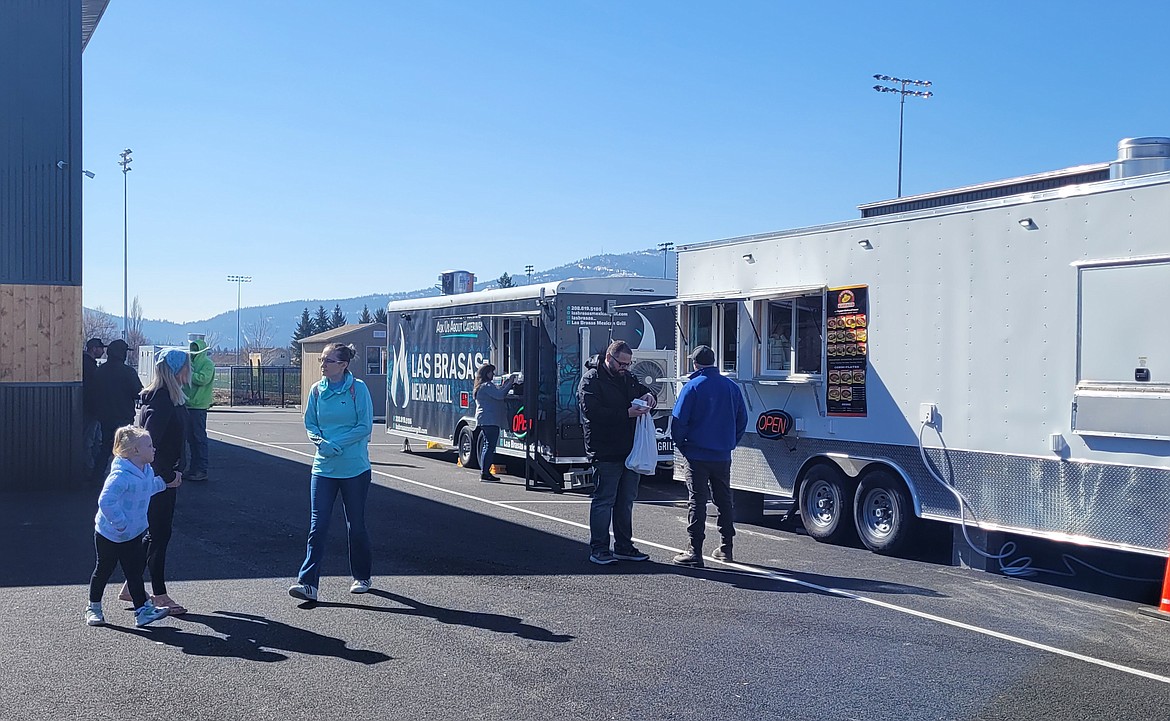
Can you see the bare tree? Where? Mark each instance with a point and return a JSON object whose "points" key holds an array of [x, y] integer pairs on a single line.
{"points": [[212, 339], [134, 335], [258, 335], [96, 323]]}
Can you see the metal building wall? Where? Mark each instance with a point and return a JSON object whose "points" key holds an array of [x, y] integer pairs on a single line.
{"points": [[40, 243]]}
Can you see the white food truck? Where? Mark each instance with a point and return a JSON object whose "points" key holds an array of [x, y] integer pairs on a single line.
{"points": [[1001, 344]]}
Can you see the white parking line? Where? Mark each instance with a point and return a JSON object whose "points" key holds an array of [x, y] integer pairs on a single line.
{"points": [[762, 573], [567, 500]]}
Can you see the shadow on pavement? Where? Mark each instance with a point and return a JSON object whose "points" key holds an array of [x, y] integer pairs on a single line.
{"points": [[487, 621], [250, 638], [842, 583]]}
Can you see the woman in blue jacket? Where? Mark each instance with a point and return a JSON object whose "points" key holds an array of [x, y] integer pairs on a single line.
{"points": [[339, 417]]}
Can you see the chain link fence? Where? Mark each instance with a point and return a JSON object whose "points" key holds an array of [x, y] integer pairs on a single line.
{"points": [[257, 386]]}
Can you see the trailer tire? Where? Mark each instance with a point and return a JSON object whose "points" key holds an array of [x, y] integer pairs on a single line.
{"points": [[883, 513], [825, 501], [468, 439]]}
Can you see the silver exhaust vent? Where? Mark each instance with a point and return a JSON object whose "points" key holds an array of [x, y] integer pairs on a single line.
{"points": [[1140, 156]]}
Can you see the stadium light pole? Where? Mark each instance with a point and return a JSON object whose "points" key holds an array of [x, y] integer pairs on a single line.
{"points": [[902, 93], [125, 163], [665, 248], [528, 272], [239, 280]]}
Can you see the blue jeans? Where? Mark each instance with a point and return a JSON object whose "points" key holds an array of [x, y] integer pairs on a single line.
{"points": [[614, 492], [489, 437], [323, 491], [197, 439]]}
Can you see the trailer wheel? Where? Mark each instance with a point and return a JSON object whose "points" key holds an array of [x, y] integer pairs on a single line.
{"points": [[825, 497], [468, 458], [883, 513]]}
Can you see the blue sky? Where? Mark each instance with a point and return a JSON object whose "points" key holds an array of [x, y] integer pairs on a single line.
{"points": [[335, 149]]}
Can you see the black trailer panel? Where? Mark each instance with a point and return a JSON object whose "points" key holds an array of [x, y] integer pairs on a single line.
{"points": [[434, 353]]}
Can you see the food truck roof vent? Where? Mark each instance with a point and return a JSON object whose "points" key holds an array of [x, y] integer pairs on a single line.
{"points": [[1140, 156]]}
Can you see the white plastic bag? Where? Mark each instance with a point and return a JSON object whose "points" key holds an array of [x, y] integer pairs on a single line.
{"points": [[643, 456]]}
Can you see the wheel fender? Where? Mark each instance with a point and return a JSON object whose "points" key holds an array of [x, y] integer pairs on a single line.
{"points": [[915, 501], [856, 467]]}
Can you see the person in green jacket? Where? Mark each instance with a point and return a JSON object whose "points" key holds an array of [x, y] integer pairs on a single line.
{"points": [[198, 401]]}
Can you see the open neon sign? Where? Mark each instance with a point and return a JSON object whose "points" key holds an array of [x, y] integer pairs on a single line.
{"points": [[521, 423], [774, 424]]}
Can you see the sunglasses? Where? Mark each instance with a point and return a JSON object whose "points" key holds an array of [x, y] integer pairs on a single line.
{"points": [[619, 364], [327, 361]]}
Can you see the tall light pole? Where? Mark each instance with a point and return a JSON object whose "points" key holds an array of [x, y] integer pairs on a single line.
{"points": [[125, 163], [239, 280], [528, 272], [902, 92], [665, 248]]}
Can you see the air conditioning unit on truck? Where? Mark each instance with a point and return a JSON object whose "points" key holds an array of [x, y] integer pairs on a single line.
{"points": [[999, 346], [545, 333]]}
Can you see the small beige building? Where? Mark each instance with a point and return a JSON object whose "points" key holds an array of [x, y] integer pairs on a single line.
{"points": [[369, 364]]}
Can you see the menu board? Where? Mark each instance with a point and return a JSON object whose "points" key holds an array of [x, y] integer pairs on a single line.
{"points": [[847, 327]]}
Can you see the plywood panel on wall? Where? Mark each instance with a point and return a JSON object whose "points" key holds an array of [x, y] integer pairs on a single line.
{"points": [[40, 333]]}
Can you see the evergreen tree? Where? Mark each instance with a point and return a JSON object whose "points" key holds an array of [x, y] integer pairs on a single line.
{"points": [[338, 318], [380, 315], [505, 280], [321, 320], [365, 317], [304, 329]]}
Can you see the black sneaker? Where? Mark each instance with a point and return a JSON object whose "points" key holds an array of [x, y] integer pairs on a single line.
{"points": [[723, 553], [689, 558], [632, 554], [602, 557]]}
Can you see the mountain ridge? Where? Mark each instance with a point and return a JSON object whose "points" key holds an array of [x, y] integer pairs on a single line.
{"points": [[282, 317]]}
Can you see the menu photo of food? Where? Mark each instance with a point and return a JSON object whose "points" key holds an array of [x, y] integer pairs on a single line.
{"points": [[847, 346]]}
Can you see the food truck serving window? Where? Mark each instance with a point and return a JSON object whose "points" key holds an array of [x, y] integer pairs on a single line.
{"points": [[1117, 339], [792, 340], [715, 325], [511, 348]]}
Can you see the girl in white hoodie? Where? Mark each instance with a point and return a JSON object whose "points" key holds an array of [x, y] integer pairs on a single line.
{"points": [[121, 522]]}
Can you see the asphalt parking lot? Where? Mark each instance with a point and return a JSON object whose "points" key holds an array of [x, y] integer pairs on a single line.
{"points": [[485, 608]]}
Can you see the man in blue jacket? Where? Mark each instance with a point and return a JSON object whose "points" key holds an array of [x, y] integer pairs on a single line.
{"points": [[709, 420]]}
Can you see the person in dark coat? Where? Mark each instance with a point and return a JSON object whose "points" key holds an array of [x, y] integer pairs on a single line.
{"points": [[91, 427], [117, 393], [606, 396], [164, 416]]}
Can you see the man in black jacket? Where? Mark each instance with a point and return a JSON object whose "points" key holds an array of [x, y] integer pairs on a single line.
{"points": [[91, 427], [118, 388], [606, 396]]}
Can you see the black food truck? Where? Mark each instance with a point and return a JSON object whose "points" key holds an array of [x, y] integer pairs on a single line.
{"points": [[542, 332]]}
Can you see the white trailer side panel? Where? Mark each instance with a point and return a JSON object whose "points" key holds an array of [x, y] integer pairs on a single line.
{"points": [[976, 309]]}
